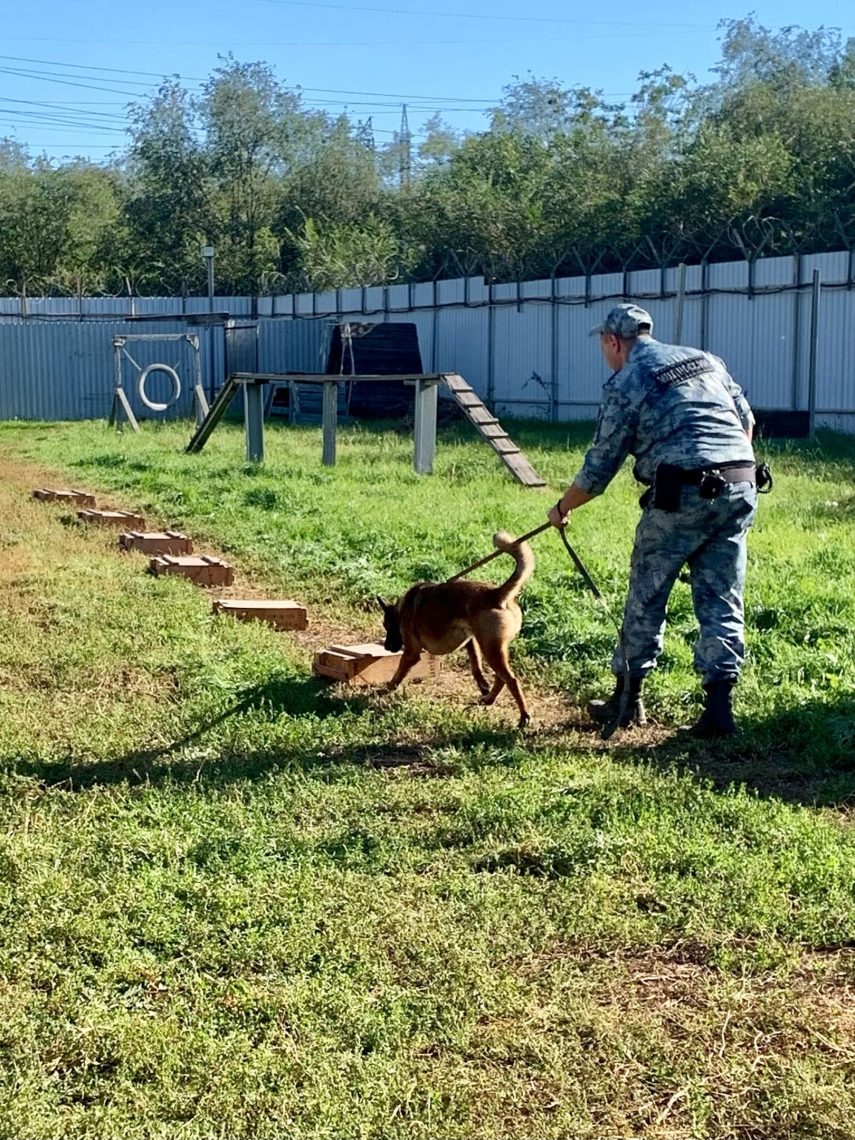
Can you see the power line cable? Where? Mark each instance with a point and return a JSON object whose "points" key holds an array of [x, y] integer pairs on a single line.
{"points": [[66, 108], [93, 67], [475, 15]]}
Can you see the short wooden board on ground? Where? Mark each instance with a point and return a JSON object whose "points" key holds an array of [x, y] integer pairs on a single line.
{"points": [[112, 518], [201, 569], [61, 495], [156, 541], [281, 613], [368, 664]]}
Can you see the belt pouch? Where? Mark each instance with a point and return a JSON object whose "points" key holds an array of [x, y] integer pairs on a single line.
{"points": [[666, 488]]}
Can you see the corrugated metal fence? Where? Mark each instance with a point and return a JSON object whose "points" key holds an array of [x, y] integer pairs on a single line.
{"points": [[523, 346]]}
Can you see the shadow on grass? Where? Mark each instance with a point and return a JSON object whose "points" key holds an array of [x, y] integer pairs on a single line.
{"points": [[802, 755], [292, 696]]}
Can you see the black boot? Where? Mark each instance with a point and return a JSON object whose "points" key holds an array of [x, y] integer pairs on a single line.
{"points": [[717, 717], [606, 712]]}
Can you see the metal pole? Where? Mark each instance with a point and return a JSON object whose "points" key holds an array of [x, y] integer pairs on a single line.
{"points": [[434, 330], [208, 257], [425, 426], [797, 334], [681, 297], [117, 362], [253, 411], [491, 320], [814, 340], [330, 417], [202, 407], [210, 261], [705, 302], [553, 352]]}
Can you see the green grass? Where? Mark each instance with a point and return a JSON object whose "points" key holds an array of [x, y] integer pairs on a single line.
{"points": [[236, 903]]}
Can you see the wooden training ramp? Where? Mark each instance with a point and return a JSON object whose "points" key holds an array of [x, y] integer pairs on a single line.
{"points": [[486, 424]]}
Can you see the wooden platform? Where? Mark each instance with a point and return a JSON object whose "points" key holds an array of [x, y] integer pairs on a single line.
{"points": [[111, 518], [201, 569], [156, 542], [57, 495], [282, 613], [368, 664]]}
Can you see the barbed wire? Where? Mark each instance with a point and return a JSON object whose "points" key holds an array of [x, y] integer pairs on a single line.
{"points": [[748, 239]]}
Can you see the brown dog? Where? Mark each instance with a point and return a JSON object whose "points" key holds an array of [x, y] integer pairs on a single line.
{"points": [[440, 618]]}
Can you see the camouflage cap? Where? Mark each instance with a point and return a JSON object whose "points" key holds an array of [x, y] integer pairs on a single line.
{"points": [[623, 320]]}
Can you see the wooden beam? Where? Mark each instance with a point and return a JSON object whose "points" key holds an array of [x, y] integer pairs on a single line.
{"points": [[224, 397], [324, 378]]}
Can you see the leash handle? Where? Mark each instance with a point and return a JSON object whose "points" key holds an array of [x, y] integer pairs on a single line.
{"points": [[496, 553]]}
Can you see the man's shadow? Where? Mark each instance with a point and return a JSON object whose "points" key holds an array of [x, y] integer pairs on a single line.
{"points": [[803, 755]]}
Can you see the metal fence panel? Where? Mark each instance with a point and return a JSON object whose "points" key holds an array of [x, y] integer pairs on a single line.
{"points": [[524, 345], [65, 371]]}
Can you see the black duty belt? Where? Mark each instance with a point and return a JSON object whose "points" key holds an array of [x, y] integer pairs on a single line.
{"points": [[711, 481], [730, 472]]}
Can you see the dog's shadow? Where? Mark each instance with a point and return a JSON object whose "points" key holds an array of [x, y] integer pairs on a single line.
{"points": [[296, 697]]}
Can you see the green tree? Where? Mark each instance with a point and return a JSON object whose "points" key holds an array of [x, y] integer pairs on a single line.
{"points": [[256, 131], [335, 185], [166, 211], [55, 221], [338, 255]]}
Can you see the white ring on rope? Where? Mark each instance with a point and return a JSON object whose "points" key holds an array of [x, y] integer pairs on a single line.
{"points": [[176, 386]]}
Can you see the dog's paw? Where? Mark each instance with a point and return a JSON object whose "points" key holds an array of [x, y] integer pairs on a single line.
{"points": [[524, 721]]}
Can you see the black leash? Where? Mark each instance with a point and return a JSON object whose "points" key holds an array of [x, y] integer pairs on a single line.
{"points": [[496, 553], [609, 728]]}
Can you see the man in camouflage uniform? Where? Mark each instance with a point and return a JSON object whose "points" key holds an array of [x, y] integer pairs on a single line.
{"points": [[689, 427]]}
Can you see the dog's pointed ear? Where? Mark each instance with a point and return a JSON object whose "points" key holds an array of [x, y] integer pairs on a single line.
{"points": [[383, 605]]}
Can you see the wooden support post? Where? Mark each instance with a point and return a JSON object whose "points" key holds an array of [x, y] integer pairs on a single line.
{"points": [[425, 426], [253, 412], [330, 417]]}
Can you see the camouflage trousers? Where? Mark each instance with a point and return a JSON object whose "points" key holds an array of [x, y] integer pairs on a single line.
{"points": [[708, 535]]}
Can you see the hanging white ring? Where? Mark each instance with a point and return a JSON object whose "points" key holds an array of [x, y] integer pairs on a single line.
{"points": [[176, 387]]}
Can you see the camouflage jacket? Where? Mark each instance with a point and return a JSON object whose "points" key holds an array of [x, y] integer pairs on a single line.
{"points": [[668, 404]]}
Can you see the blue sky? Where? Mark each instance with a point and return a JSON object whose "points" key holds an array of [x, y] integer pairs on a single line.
{"points": [[363, 56]]}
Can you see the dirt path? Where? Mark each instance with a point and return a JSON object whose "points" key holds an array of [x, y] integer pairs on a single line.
{"points": [[552, 712]]}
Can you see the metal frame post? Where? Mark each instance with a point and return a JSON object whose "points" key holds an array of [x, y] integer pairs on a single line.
{"points": [[705, 303], [200, 401], [424, 449], [253, 413], [208, 258], [553, 351], [795, 363], [120, 397], [814, 340], [681, 298], [491, 370], [330, 421]]}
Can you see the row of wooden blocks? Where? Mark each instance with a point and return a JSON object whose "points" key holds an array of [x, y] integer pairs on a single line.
{"points": [[172, 553]]}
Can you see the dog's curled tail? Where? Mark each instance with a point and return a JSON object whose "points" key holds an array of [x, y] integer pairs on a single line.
{"points": [[521, 553]]}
